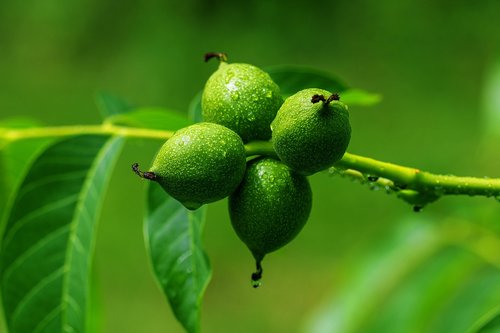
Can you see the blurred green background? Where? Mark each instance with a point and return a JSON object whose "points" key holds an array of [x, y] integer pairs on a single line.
{"points": [[364, 262]]}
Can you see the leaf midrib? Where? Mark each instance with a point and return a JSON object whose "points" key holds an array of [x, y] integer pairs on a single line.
{"points": [[80, 208]]}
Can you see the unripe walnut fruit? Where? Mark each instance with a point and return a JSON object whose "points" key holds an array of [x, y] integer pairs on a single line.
{"points": [[311, 130], [200, 163], [243, 98], [270, 206]]}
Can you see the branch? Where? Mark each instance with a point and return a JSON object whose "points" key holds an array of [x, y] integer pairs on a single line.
{"points": [[64, 131], [414, 186]]}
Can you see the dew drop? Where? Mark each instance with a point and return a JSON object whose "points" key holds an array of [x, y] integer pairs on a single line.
{"points": [[235, 96], [439, 190], [229, 76], [331, 171], [417, 209], [489, 193], [184, 140], [257, 276], [256, 283]]}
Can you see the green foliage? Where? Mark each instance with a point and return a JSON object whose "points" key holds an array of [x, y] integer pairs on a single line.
{"points": [[173, 239], [429, 277], [151, 118], [490, 323], [292, 79], [491, 117], [194, 109], [110, 105], [49, 236], [15, 159]]}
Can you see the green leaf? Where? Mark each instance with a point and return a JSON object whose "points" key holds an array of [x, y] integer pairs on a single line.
{"points": [[110, 105], [475, 297], [48, 241], [151, 118], [194, 110], [292, 79], [15, 159], [425, 278], [491, 101], [181, 267], [489, 323], [359, 97]]}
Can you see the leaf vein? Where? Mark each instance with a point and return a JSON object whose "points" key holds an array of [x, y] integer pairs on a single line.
{"points": [[32, 250], [37, 288], [49, 179], [36, 213], [46, 320]]}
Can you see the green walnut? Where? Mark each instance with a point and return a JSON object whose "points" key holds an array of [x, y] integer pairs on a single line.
{"points": [[269, 207], [241, 97], [311, 130], [199, 164]]}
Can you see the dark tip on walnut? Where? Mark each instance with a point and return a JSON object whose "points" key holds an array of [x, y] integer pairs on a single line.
{"points": [[219, 55], [146, 175], [256, 276], [149, 175], [317, 98], [333, 97]]}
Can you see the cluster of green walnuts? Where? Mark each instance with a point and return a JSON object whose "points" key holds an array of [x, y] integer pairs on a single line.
{"points": [[269, 199]]}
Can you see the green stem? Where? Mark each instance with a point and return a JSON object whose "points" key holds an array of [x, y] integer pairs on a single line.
{"points": [[412, 185], [260, 148], [422, 181], [63, 131]]}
